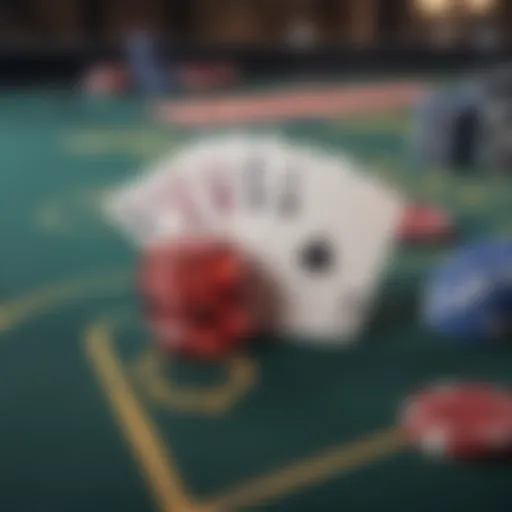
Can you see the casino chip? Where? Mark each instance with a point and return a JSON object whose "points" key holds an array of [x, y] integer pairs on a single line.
{"points": [[470, 296], [202, 298], [462, 421], [422, 224], [445, 126]]}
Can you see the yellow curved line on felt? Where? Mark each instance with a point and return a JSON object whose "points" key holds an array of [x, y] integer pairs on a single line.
{"points": [[304, 473], [163, 477], [311, 471], [242, 375], [148, 448], [15, 311]]}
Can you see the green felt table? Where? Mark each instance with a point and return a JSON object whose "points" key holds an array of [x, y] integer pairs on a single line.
{"points": [[92, 419]]}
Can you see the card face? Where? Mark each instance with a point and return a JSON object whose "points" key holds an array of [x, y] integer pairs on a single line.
{"points": [[222, 176], [327, 265], [260, 168], [378, 210], [218, 182], [198, 205], [159, 203], [136, 207], [254, 175], [298, 172], [307, 259], [289, 196]]}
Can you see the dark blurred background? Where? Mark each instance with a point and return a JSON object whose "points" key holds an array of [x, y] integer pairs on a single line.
{"points": [[41, 39]]}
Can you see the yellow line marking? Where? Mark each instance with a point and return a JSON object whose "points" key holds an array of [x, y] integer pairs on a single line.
{"points": [[15, 311], [165, 482], [311, 471], [142, 434], [148, 448], [242, 374]]}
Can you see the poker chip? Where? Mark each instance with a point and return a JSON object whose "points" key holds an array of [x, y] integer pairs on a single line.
{"points": [[424, 224], [201, 298], [469, 297], [461, 421]]}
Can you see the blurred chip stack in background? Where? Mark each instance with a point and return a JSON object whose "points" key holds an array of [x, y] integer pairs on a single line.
{"points": [[496, 119]]}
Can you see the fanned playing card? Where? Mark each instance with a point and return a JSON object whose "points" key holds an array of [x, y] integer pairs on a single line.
{"points": [[326, 246], [141, 208]]}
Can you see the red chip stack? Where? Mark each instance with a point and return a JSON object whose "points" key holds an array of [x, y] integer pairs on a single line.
{"points": [[201, 298], [423, 224], [462, 421]]}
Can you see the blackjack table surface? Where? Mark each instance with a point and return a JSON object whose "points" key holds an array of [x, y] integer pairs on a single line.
{"points": [[91, 418]]}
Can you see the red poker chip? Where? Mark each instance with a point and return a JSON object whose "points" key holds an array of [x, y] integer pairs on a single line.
{"points": [[201, 298], [425, 224], [461, 421]]}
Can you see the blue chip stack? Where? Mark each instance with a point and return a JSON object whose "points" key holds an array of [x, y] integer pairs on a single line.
{"points": [[147, 68], [445, 128], [496, 119], [470, 297]]}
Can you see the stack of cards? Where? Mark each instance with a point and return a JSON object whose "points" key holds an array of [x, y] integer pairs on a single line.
{"points": [[320, 227]]}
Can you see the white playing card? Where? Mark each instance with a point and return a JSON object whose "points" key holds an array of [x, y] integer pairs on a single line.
{"points": [[136, 206], [327, 260], [356, 218], [194, 170], [161, 202]]}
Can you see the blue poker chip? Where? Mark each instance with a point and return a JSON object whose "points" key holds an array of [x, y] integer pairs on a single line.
{"points": [[470, 297], [441, 124]]}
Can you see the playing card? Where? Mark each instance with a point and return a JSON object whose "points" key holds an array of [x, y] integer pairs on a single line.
{"points": [[136, 206], [327, 257], [288, 196], [218, 184], [161, 202], [340, 251], [266, 184], [220, 176], [208, 196]]}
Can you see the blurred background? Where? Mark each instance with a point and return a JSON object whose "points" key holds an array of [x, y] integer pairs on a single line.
{"points": [[56, 38]]}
